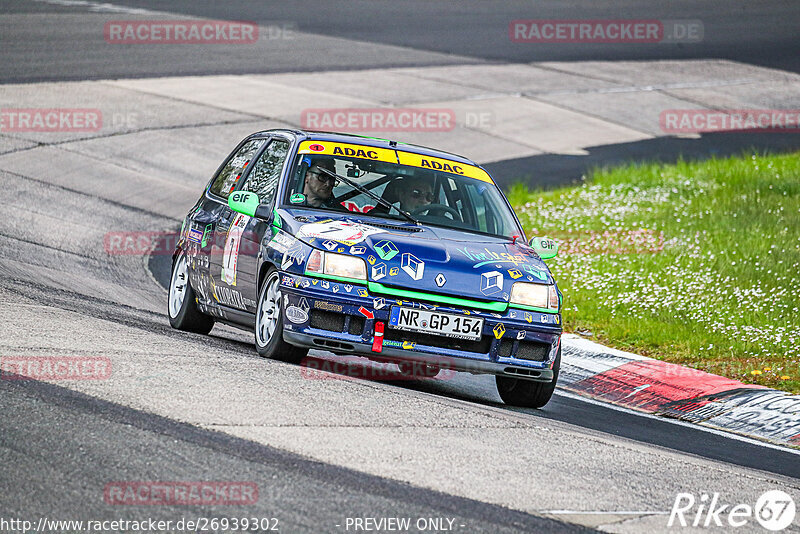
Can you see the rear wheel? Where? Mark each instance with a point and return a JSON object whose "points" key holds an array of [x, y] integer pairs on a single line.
{"points": [[526, 393], [181, 308], [269, 323]]}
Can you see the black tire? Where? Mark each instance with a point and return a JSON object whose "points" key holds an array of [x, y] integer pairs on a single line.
{"points": [[186, 315], [271, 344], [526, 393]]}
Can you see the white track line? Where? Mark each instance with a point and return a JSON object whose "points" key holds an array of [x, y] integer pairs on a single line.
{"points": [[697, 426]]}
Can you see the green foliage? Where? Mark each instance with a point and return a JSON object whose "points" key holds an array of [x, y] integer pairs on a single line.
{"points": [[696, 263]]}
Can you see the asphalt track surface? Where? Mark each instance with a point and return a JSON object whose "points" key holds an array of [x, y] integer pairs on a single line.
{"points": [[185, 407], [430, 33]]}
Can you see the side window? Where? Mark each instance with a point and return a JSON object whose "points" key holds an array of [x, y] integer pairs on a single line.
{"points": [[229, 175], [263, 179]]}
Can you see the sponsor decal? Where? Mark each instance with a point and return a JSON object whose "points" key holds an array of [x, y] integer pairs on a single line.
{"points": [[296, 315], [491, 282], [295, 254], [386, 250], [349, 150], [413, 266], [230, 257], [444, 165], [344, 232], [297, 198], [327, 306], [440, 280], [228, 297], [379, 271], [195, 235], [499, 330], [281, 242]]}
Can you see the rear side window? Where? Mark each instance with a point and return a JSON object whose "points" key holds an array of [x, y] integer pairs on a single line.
{"points": [[263, 179], [230, 174]]}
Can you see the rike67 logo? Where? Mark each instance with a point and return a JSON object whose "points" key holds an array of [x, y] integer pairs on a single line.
{"points": [[774, 510]]}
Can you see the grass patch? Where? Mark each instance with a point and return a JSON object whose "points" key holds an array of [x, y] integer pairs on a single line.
{"points": [[696, 263]]}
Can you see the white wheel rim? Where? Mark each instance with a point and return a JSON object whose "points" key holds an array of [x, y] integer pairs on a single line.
{"points": [[177, 286], [268, 311]]}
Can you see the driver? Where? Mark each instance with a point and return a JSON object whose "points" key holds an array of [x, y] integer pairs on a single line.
{"points": [[318, 187], [415, 194]]}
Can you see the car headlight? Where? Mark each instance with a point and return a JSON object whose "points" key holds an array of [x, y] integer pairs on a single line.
{"points": [[339, 265], [541, 296]]}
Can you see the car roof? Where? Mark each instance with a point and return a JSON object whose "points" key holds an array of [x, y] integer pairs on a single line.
{"points": [[310, 135]]}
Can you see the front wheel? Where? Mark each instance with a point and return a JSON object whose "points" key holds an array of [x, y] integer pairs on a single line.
{"points": [[269, 323], [181, 308], [526, 393]]}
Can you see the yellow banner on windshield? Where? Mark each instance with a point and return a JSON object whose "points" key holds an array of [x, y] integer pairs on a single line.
{"points": [[444, 165], [330, 148]]}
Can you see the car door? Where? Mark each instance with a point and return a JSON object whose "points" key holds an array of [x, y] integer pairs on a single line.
{"points": [[263, 179], [229, 227]]}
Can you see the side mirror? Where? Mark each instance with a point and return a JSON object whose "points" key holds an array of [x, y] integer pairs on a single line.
{"points": [[544, 247], [248, 203]]}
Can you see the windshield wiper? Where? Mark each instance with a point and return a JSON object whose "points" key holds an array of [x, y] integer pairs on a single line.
{"points": [[372, 195]]}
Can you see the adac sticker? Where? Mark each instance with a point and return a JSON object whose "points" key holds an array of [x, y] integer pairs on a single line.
{"points": [[297, 198], [444, 165], [347, 150]]}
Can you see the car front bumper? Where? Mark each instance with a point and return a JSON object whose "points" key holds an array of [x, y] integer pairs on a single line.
{"points": [[340, 317]]}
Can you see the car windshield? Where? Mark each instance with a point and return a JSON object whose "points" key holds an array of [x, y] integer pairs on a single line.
{"points": [[431, 196]]}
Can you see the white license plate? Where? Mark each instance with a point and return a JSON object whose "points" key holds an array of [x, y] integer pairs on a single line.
{"points": [[433, 322]]}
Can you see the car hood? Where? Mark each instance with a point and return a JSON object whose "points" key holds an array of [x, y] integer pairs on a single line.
{"points": [[422, 258]]}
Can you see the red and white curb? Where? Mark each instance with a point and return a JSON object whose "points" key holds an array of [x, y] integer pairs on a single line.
{"points": [[653, 386]]}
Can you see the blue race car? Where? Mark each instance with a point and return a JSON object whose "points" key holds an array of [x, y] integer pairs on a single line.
{"points": [[370, 247]]}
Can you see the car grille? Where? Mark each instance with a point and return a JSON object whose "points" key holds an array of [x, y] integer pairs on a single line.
{"points": [[480, 346], [356, 326], [336, 322], [325, 320], [531, 350]]}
